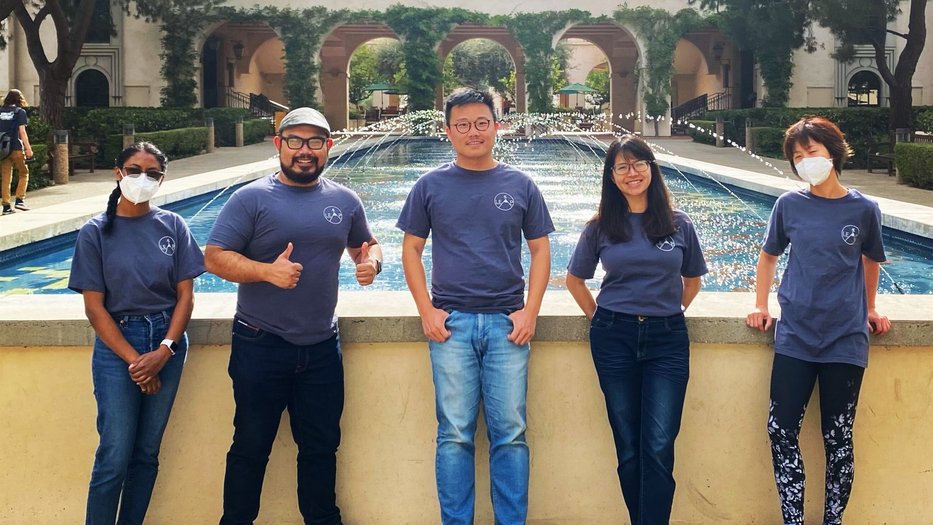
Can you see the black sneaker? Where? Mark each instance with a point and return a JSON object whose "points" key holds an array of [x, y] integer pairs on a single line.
{"points": [[7, 209], [21, 205]]}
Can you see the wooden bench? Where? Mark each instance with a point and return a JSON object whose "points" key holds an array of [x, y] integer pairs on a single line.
{"points": [[81, 151], [881, 153]]}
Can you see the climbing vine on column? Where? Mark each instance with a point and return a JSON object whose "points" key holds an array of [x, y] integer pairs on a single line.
{"points": [[535, 32], [421, 30], [660, 31]]}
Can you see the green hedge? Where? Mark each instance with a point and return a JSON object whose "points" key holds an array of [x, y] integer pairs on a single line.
{"points": [[99, 123], [706, 137], [915, 164], [176, 143], [768, 142], [862, 126], [925, 121], [255, 131], [225, 124]]}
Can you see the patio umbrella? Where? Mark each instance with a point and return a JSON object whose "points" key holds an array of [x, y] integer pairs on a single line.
{"points": [[382, 88], [576, 89]]}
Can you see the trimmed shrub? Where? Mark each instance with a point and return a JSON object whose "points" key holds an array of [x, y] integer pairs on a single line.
{"points": [[256, 130], [706, 137], [225, 124], [768, 142], [915, 164], [99, 123], [862, 126], [924, 121], [176, 143]]}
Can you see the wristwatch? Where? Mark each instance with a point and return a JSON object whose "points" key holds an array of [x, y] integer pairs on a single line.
{"points": [[378, 266], [171, 345]]}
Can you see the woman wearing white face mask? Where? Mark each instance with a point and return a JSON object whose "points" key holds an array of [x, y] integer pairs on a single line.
{"points": [[135, 266], [827, 298]]}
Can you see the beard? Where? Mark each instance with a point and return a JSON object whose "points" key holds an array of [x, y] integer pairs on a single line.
{"points": [[301, 175]]}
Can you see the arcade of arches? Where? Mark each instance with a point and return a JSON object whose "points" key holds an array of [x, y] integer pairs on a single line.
{"points": [[241, 58]]}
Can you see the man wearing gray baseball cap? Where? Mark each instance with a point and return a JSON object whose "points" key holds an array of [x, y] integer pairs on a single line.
{"points": [[285, 352]]}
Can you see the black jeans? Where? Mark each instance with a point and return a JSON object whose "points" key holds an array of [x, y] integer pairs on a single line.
{"points": [[643, 364], [792, 382], [269, 375]]}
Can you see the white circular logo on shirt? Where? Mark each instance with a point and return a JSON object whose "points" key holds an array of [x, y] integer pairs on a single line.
{"points": [[850, 234], [666, 245], [504, 201], [167, 245], [333, 215]]}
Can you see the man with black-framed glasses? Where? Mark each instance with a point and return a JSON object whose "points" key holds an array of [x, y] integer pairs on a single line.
{"points": [[477, 321], [281, 237]]}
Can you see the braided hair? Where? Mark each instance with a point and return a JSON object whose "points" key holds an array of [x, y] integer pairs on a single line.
{"points": [[121, 159]]}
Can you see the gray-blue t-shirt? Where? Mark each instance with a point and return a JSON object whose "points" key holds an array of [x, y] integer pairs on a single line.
{"points": [[642, 277], [259, 221], [139, 264], [476, 220], [824, 311]]}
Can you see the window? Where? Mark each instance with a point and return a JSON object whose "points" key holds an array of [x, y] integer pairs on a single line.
{"points": [[92, 89], [864, 89], [101, 24]]}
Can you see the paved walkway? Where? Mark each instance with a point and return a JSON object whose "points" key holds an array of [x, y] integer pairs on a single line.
{"points": [[85, 184]]}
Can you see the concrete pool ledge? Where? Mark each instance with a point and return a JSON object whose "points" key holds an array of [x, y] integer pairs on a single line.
{"points": [[391, 317], [902, 216], [49, 221]]}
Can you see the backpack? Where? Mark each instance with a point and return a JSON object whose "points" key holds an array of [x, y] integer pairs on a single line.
{"points": [[6, 144]]}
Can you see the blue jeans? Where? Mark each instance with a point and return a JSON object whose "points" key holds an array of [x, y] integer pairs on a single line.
{"points": [[478, 363], [269, 375], [643, 364], [130, 423]]}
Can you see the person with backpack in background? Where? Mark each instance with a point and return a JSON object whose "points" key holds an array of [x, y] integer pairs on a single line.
{"points": [[13, 130]]}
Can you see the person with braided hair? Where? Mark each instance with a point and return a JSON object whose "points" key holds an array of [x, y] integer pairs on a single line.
{"points": [[135, 265]]}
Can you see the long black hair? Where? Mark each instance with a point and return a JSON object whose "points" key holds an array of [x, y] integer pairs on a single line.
{"points": [[121, 159], [612, 217]]}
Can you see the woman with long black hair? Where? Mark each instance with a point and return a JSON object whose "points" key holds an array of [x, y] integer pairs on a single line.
{"points": [[638, 336], [135, 266]]}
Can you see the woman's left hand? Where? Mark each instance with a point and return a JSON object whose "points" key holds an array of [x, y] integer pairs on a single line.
{"points": [[148, 365], [877, 323]]}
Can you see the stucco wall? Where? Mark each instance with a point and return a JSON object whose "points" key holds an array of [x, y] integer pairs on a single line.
{"points": [[386, 470]]}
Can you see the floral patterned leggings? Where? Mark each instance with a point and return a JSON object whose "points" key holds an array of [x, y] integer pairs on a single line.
{"points": [[792, 382]]}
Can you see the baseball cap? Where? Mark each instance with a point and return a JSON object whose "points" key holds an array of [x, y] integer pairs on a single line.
{"points": [[304, 116]]}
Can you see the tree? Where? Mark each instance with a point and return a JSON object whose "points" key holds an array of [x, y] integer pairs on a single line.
{"points": [[772, 31], [71, 20], [598, 79], [857, 22], [362, 74], [480, 63]]}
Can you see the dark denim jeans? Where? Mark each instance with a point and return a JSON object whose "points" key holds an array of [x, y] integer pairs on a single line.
{"points": [[643, 364], [269, 375], [130, 423]]}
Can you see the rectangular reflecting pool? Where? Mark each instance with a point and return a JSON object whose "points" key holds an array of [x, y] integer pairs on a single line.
{"points": [[730, 221]]}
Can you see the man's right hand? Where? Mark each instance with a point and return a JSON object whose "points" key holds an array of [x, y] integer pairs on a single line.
{"points": [[282, 272], [432, 322]]}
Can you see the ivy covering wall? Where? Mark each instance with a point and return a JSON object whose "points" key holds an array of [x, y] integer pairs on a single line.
{"points": [[421, 30]]}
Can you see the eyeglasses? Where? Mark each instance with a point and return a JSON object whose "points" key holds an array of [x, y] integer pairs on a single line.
{"points": [[313, 143], [640, 166], [133, 171], [464, 126]]}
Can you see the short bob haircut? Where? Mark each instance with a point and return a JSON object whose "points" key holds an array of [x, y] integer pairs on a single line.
{"points": [[822, 131], [613, 206], [464, 96]]}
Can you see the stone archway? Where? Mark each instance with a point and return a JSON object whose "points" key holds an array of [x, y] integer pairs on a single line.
{"points": [[335, 54], [499, 35], [240, 59], [621, 51]]}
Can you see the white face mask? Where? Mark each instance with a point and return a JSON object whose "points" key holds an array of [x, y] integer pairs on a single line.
{"points": [[139, 188], [814, 170]]}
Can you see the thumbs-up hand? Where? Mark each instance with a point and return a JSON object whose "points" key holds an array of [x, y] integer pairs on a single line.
{"points": [[283, 272], [366, 267]]}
